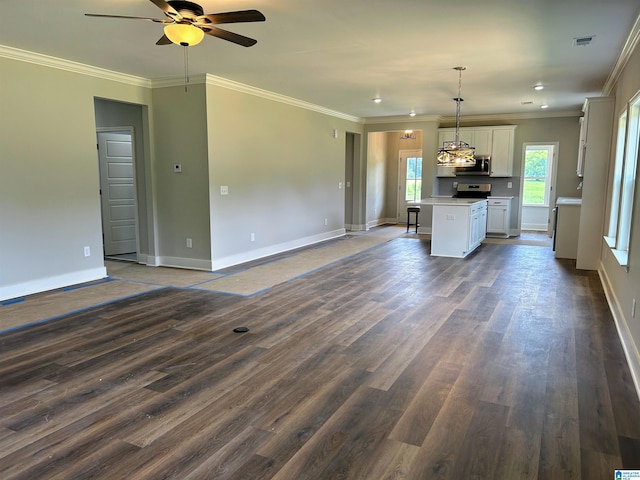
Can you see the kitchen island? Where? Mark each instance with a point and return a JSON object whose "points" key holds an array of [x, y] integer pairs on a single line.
{"points": [[458, 225]]}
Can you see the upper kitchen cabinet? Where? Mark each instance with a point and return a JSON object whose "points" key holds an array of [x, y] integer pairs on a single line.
{"points": [[502, 151], [495, 141]]}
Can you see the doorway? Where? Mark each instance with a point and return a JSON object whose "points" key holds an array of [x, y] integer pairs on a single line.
{"points": [[538, 186], [409, 181], [116, 165]]}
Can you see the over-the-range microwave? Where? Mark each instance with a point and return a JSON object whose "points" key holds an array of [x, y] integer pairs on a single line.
{"points": [[481, 167]]}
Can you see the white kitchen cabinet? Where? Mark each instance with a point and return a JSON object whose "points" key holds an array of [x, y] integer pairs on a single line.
{"points": [[458, 227], [498, 216], [502, 151], [495, 141], [567, 227]]}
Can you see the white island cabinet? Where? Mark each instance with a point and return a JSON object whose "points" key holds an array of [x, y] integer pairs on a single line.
{"points": [[458, 225]]}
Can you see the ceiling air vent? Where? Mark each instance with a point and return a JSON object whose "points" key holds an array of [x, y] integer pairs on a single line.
{"points": [[528, 102], [583, 41]]}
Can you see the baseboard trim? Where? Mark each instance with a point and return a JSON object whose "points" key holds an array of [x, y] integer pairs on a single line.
{"points": [[251, 255], [181, 262], [628, 345], [52, 283]]}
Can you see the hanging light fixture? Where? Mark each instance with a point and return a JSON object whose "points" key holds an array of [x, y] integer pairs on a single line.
{"points": [[408, 135], [456, 153]]}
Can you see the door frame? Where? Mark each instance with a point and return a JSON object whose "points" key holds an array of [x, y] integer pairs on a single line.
{"points": [[130, 131], [554, 175], [401, 214]]}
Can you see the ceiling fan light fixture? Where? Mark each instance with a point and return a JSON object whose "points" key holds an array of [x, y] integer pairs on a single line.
{"points": [[184, 34]]}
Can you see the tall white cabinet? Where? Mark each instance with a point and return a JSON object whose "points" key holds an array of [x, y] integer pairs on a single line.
{"points": [[595, 138]]}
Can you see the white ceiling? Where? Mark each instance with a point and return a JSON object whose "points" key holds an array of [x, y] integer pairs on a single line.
{"points": [[340, 54]]}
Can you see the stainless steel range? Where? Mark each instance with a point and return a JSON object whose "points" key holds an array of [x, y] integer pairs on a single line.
{"points": [[473, 190]]}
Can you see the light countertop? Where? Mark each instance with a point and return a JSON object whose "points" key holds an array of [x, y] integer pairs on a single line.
{"points": [[448, 201], [569, 201]]}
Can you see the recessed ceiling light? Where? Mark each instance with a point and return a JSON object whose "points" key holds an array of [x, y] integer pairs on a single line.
{"points": [[377, 100], [544, 106], [539, 87], [412, 114]]}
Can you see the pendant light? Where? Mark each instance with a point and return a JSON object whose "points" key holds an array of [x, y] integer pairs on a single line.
{"points": [[456, 153]]}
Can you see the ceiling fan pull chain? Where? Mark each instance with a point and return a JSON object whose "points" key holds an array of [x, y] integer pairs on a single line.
{"points": [[186, 67]]}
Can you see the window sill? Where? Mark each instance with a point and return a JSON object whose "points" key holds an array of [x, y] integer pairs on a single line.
{"points": [[621, 256]]}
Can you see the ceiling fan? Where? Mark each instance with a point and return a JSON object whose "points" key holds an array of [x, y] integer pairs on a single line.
{"points": [[186, 23]]}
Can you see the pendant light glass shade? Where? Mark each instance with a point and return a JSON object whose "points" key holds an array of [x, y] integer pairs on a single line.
{"points": [[184, 34], [456, 153]]}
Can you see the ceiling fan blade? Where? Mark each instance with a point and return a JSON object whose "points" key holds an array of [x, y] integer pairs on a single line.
{"points": [[164, 40], [231, 17], [168, 10], [157, 20], [229, 36]]}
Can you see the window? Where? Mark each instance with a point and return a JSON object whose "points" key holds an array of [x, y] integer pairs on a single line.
{"points": [[538, 160], [624, 180], [413, 188]]}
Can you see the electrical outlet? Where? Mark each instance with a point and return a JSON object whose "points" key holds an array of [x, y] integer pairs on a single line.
{"points": [[509, 184], [253, 237], [224, 190], [189, 243], [326, 221], [87, 251]]}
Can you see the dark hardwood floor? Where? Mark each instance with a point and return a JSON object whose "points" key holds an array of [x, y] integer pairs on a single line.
{"points": [[388, 364]]}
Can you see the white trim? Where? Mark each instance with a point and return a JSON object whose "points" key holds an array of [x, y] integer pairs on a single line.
{"points": [[51, 283], [628, 48], [251, 255], [494, 117], [70, 66], [248, 89], [182, 262], [630, 350]]}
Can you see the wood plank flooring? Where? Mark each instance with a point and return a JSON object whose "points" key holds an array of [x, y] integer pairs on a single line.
{"points": [[387, 364]]}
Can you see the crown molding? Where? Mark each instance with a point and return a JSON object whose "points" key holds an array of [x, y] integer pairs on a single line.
{"points": [[629, 47], [71, 66], [210, 79], [472, 118], [401, 119], [258, 92]]}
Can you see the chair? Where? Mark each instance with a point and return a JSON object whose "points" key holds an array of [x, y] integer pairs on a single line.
{"points": [[411, 210]]}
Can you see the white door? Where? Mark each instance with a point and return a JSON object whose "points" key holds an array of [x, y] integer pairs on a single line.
{"points": [[538, 181], [409, 180], [117, 188]]}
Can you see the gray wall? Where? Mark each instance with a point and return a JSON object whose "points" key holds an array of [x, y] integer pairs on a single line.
{"points": [[624, 284], [49, 189]]}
